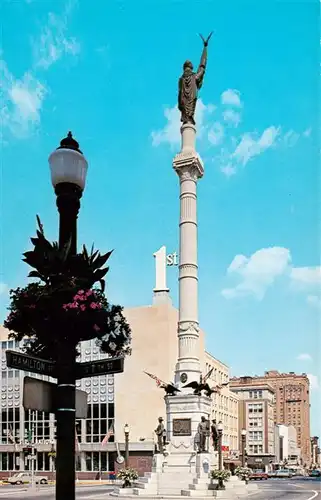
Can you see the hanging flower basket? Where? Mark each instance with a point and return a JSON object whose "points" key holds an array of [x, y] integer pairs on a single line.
{"points": [[127, 475], [65, 306]]}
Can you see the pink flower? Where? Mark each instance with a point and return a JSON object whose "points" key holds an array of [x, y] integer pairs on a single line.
{"points": [[81, 292], [65, 306], [89, 292], [74, 305], [83, 307], [93, 305], [96, 328]]}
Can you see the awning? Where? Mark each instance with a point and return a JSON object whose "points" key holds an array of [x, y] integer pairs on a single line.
{"points": [[231, 461]]}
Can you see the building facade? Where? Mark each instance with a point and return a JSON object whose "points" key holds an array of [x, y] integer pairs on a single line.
{"points": [[224, 406], [130, 397], [315, 452], [256, 403], [292, 403], [286, 445]]}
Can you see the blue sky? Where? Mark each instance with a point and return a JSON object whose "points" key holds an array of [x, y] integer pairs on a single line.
{"points": [[110, 75]]}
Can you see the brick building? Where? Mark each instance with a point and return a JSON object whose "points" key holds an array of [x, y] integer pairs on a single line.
{"points": [[256, 404], [292, 403]]}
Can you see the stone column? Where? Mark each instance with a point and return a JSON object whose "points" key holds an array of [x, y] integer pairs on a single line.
{"points": [[189, 167]]}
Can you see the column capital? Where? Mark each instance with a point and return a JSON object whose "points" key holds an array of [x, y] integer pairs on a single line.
{"points": [[188, 165]]}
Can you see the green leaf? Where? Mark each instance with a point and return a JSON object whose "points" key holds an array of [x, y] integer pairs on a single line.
{"points": [[85, 253], [101, 260], [93, 256], [35, 274], [39, 224], [102, 284], [100, 273]]}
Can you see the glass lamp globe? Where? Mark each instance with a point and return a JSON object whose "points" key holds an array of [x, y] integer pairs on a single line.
{"points": [[126, 429], [243, 432], [68, 164]]}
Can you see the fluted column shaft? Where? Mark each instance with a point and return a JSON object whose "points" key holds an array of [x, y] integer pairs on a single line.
{"points": [[189, 169]]}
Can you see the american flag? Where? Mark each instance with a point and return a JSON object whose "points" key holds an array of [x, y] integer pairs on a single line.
{"points": [[207, 376], [108, 435], [157, 380]]}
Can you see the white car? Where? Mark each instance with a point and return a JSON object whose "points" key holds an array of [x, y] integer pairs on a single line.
{"points": [[25, 478]]}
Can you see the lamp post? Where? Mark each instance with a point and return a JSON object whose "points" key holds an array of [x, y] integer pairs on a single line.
{"points": [[243, 438], [68, 175], [126, 432], [220, 458]]}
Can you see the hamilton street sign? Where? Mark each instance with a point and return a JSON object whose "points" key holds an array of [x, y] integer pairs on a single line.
{"points": [[28, 363], [100, 367]]}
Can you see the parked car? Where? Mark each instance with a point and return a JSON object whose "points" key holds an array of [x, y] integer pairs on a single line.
{"points": [[281, 473], [25, 478], [315, 473], [258, 475]]}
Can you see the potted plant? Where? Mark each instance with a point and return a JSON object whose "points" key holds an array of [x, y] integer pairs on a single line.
{"points": [[220, 476], [243, 473], [64, 306], [127, 475]]}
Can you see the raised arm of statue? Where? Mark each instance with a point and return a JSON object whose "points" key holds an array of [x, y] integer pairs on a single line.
{"points": [[202, 66]]}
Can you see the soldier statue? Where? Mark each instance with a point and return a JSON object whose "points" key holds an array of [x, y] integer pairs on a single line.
{"points": [[160, 432], [203, 433], [214, 435], [189, 84]]}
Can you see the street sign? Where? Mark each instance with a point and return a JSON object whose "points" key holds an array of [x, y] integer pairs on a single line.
{"points": [[100, 367], [29, 363], [20, 361], [42, 396]]}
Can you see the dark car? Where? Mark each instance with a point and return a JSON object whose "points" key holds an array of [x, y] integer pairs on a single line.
{"points": [[315, 473], [258, 475]]}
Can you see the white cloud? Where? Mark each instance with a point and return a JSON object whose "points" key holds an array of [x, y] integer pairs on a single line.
{"points": [[258, 272], [306, 276], [314, 300], [228, 170], [290, 138], [235, 150], [21, 101], [216, 134], [249, 147], [22, 97], [171, 132], [53, 42], [231, 97], [232, 117], [308, 131], [304, 357], [3, 288], [314, 381]]}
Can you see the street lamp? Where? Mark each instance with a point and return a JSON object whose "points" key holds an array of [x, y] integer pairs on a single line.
{"points": [[68, 175], [126, 432], [243, 437], [220, 429]]}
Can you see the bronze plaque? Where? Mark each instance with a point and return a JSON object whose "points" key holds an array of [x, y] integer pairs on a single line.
{"points": [[182, 427]]}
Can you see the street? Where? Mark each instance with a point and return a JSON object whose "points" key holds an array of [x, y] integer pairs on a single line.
{"points": [[294, 489], [48, 492]]}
